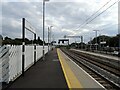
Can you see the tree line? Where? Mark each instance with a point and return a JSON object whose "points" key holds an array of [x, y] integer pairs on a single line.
{"points": [[18, 41], [110, 41]]}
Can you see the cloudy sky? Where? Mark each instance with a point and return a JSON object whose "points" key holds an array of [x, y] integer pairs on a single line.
{"points": [[68, 17]]}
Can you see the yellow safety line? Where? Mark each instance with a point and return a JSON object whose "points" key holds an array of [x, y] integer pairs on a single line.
{"points": [[71, 79], [63, 69]]}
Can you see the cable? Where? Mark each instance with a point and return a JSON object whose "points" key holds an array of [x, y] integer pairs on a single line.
{"points": [[99, 14], [95, 13], [98, 10], [103, 11]]}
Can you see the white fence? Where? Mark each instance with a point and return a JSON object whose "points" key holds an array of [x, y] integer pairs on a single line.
{"points": [[11, 60], [4, 64]]}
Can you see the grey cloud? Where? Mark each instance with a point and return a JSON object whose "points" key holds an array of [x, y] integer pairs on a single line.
{"points": [[18, 10], [73, 15], [70, 11]]}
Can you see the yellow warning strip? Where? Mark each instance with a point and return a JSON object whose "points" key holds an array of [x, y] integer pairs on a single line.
{"points": [[71, 79]]}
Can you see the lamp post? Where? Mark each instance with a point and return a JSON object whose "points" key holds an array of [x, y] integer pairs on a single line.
{"points": [[44, 27], [48, 37], [50, 34], [49, 40]]}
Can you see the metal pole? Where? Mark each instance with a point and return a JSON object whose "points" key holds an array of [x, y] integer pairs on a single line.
{"points": [[51, 37], [81, 42], [96, 38], [23, 45], [35, 49], [99, 42], [43, 28], [48, 39], [68, 42]]}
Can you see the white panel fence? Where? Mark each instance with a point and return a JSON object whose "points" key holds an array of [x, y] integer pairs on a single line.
{"points": [[11, 60]]}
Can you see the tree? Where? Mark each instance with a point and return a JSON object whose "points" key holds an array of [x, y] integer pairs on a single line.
{"points": [[110, 41], [102, 38], [18, 41], [39, 41], [114, 41]]}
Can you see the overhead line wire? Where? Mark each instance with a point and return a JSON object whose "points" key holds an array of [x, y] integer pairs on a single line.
{"points": [[95, 13], [99, 14]]}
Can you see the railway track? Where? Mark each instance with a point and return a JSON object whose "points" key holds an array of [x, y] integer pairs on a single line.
{"points": [[114, 69], [108, 62], [104, 74]]}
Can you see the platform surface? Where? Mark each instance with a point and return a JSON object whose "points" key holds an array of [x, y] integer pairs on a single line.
{"points": [[56, 71], [100, 55], [45, 74], [82, 78]]}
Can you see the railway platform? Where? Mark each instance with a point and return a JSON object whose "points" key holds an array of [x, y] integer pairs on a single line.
{"points": [[45, 74], [75, 75], [99, 55], [56, 71]]}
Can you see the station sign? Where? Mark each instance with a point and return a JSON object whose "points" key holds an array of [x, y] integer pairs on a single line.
{"points": [[103, 42]]}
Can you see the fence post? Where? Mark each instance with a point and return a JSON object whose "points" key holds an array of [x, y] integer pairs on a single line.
{"points": [[35, 49], [23, 45]]}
